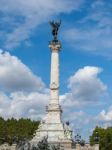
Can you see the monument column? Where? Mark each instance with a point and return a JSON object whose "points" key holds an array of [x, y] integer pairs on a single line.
{"points": [[54, 79], [52, 126]]}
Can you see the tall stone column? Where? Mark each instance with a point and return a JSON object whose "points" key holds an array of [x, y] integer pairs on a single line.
{"points": [[54, 78], [52, 126], [54, 109]]}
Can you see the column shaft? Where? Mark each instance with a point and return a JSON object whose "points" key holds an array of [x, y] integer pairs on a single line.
{"points": [[54, 68], [54, 80]]}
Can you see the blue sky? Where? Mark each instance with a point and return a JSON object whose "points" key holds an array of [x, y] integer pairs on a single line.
{"points": [[85, 60]]}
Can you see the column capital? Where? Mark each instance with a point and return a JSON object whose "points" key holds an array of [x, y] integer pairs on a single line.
{"points": [[54, 46]]}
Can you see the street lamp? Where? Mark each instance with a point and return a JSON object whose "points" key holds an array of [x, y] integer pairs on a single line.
{"points": [[96, 138], [78, 139]]}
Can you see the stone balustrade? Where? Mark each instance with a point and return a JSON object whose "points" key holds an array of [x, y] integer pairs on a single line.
{"points": [[87, 147], [6, 146]]}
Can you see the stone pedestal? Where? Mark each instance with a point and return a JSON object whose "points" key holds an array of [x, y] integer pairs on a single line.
{"points": [[6, 146], [52, 127], [14, 146], [78, 147], [96, 147]]}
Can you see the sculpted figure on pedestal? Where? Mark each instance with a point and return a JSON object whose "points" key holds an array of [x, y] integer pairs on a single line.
{"points": [[67, 131]]}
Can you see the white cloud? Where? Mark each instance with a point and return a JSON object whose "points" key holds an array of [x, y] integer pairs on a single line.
{"points": [[86, 91], [16, 76], [23, 16], [21, 104], [97, 40], [105, 116], [22, 94], [85, 87], [77, 116], [93, 33]]}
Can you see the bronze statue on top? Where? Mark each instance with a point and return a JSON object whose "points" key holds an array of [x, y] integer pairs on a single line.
{"points": [[55, 28]]}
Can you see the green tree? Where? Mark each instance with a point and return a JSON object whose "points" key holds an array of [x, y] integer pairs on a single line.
{"points": [[105, 138], [12, 129]]}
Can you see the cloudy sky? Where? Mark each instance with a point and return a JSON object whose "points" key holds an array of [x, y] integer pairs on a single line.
{"points": [[85, 60]]}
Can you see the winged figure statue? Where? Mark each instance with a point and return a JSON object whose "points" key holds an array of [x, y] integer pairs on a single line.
{"points": [[55, 27]]}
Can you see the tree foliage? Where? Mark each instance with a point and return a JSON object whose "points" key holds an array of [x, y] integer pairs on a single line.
{"points": [[12, 129], [105, 138]]}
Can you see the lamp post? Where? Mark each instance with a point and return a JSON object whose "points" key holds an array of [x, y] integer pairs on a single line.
{"points": [[77, 139], [96, 139], [14, 139]]}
